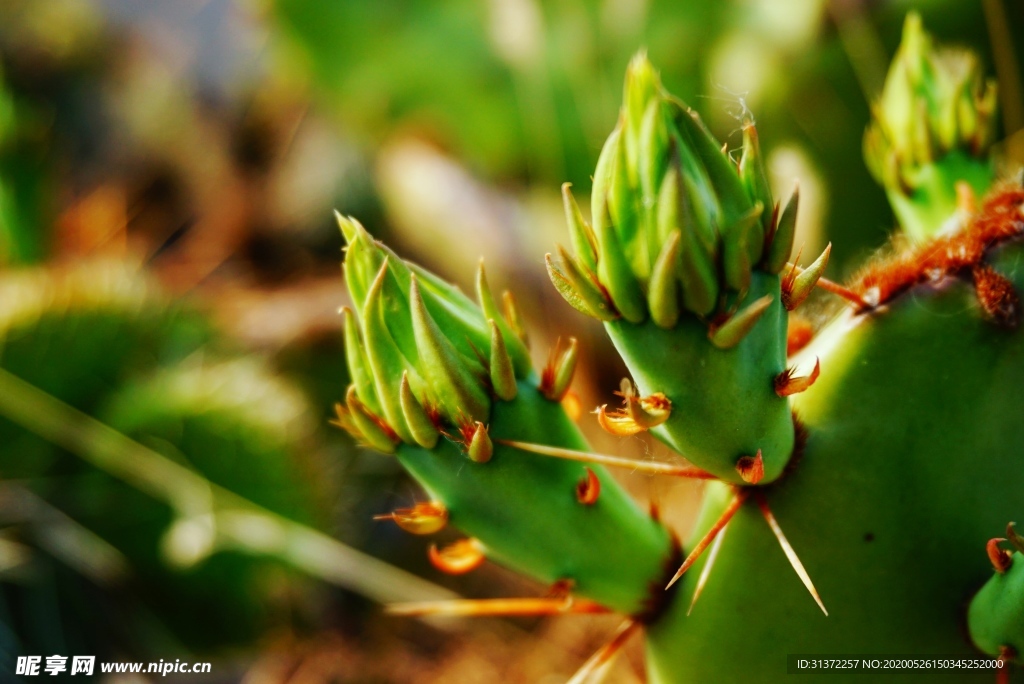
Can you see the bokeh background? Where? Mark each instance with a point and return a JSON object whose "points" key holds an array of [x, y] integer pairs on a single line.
{"points": [[170, 344]]}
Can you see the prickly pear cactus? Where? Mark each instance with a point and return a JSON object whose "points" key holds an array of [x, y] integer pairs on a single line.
{"points": [[448, 388], [854, 480]]}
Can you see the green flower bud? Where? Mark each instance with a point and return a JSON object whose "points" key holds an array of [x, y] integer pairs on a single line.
{"points": [[932, 130]]}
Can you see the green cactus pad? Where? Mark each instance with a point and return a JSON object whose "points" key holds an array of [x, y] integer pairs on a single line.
{"points": [[900, 484]]}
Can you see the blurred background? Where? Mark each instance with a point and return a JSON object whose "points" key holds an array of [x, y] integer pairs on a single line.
{"points": [[170, 344]]}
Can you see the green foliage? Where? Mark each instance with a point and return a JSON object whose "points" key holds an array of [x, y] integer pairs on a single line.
{"points": [[104, 340]]}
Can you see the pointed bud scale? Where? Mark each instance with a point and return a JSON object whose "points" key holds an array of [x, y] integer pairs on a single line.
{"points": [[374, 430], [423, 518], [348, 226], [422, 428], [721, 171], [343, 419], [363, 261], [358, 366], [584, 242], [602, 182], [653, 152], [457, 558], [663, 288], [561, 366], [796, 287], [751, 468], [1000, 558], [514, 342], [615, 274], [385, 359], [577, 288], [480, 447], [740, 242], [503, 378], [1015, 537], [786, 385], [696, 264], [458, 391], [626, 212], [589, 488], [753, 174], [512, 317], [641, 87], [922, 147], [732, 332], [785, 233]]}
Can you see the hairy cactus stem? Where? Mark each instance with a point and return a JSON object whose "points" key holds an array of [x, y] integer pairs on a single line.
{"points": [[960, 254]]}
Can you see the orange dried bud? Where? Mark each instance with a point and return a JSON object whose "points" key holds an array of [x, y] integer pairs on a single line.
{"points": [[751, 468], [423, 518], [786, 384], [457, 558]]}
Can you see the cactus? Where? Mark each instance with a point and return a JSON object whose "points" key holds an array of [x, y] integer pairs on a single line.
{"points": [[448, 388], [855, 479]]}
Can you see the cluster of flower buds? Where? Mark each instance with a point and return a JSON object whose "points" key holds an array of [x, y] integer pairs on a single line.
{"points": [[677, 225], [686, 256], [931, 131], [427, 356]]}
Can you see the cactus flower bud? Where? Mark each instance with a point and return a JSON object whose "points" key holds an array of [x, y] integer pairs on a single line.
{"points": [[682, 265], [931, 131]]}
